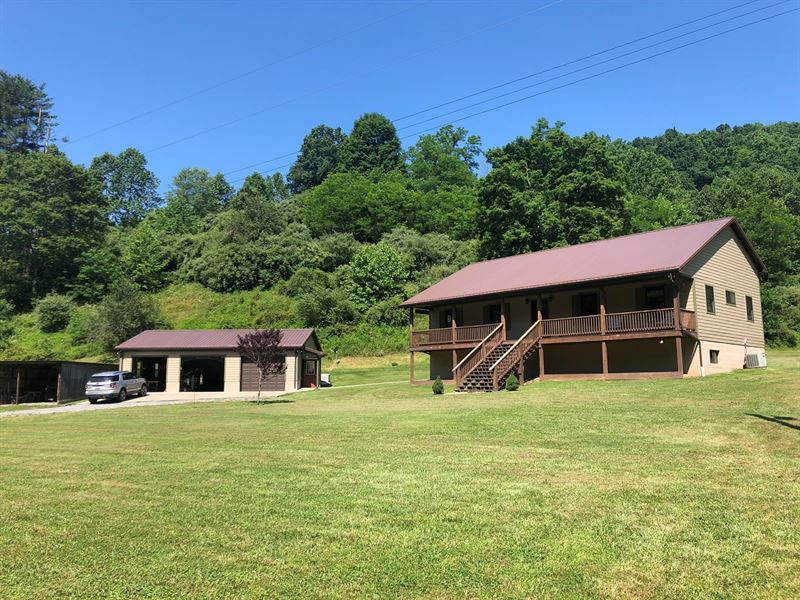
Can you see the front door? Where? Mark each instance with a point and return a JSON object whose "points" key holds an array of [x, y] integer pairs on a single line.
{"points": [[309, 373]]}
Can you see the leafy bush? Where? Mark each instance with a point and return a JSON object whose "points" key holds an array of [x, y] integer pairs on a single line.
{"points": [[123, 313], [326, 306], [6, 309], [53, 312], [438, 386], [387, 312], [512, 383], [377, 272]]}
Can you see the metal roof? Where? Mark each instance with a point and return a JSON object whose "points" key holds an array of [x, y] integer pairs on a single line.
{"points": [[661, 251], [207, 339]]}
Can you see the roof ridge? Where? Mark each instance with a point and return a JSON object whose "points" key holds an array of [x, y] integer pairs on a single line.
{"points": [[619, 237]]}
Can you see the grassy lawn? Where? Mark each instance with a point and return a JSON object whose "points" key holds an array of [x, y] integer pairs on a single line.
{"points": [[622, 489]]}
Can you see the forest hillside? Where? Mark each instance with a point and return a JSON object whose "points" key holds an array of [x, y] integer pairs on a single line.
{"points": [[91, 254]]}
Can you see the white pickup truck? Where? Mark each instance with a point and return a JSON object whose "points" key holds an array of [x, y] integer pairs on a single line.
{"points": [[114, 384]]}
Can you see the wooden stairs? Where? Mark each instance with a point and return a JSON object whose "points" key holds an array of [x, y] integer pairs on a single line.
{"points": [[488, 366]]}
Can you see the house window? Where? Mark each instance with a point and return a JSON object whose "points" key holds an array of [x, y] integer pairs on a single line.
{"points": [[730, 297], [446, 318], [494, 313], [655, 297], [710, 306], [749, 302], [588, 304], [713, 356]]}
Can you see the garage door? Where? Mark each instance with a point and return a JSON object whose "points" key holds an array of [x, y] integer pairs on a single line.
{"points": [[273, 383]]}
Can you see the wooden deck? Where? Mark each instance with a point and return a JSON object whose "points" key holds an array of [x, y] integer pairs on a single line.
{"points": [[592, 328]]}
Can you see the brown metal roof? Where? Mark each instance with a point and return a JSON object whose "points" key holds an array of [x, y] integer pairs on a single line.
{"points": [[207, 339], [658, 251]]}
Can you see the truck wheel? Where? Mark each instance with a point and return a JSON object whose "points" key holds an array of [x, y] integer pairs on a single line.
{"points": [[92, 400], [143, 391], [123, 394]]}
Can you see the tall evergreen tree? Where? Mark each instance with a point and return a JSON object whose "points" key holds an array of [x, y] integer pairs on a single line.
{"points": [[25, 118]]}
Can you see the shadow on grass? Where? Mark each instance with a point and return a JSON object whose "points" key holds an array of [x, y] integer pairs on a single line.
{"points": [[268, 402], [777, 419]]}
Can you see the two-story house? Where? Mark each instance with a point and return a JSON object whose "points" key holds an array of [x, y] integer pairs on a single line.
{"points": [[668, 303]]}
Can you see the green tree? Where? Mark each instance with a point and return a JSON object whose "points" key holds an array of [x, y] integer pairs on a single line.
{"points": [[372, 145], [26, 120], [254, 210], [445, 159], [364, 206], [50, 214], [130, 189], [99, 266], [319, 156], [202, 192], [123, 313], [550, 189], [377, 272]]}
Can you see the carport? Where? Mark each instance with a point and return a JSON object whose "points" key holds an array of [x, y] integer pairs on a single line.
{"points": [[45, 380]]}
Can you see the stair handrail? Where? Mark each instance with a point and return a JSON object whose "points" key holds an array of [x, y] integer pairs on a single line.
{"points": [[516, 353], [517, 343], [473, 351]]}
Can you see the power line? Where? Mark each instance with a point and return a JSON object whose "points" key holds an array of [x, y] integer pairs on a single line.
{"points": [[252, 71], [341, 82], [572, 62], [549, 69], [597, 64], [595, 75]]}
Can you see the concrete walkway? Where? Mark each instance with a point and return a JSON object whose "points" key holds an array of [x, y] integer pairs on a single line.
{"points": [[161, 399]]}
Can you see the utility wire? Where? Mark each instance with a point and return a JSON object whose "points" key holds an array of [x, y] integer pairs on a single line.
{"points": [[342, 81], [607, 71], [597, 64], [586, 57], [245, 74], [572, 62]]}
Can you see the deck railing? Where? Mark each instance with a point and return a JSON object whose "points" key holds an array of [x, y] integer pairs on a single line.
{"points": [[444, 335], [479, 353], [640, 320], [567, 326]]}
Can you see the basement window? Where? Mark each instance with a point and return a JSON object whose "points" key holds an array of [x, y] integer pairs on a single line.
{"points": [[713, 356], [730, 297]]}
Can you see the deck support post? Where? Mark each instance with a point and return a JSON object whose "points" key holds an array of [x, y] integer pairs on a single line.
{"points": [[541, 361], [676, 307], [411, 343], [603, 345], [521, 372], [453, 335]]}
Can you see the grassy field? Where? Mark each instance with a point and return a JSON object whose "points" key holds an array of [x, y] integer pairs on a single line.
{"points": [[620, 489]]}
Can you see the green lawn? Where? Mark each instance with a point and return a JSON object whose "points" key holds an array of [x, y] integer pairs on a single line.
{"points": [[622, 489]]}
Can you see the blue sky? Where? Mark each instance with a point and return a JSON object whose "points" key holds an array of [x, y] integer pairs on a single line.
{"points": [[105, 62]]}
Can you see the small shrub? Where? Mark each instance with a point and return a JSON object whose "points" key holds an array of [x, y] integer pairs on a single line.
{"points": [[512, 383], [438, 386], [6, 309], [53, 312], [394, 363]]}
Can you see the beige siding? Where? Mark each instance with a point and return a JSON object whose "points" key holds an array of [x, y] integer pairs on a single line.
{"points": [[731, 356], [292, 373], [126, 364], [725, 265], [233, 371], [173, 373]]}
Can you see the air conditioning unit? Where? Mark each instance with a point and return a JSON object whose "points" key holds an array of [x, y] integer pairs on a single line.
{"points": [[753, 361]]}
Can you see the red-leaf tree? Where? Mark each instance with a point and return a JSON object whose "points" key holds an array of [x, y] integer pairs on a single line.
{"points": [[262, 348]]}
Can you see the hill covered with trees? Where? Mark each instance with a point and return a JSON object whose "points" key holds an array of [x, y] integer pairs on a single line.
{"points": [[92, 254]]}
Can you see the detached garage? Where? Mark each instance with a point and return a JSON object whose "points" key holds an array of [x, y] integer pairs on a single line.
{"points": [[192, 361]]}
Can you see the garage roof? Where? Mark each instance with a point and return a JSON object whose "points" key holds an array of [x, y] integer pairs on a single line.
{"points": [[210, 339], [661, 251]]}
